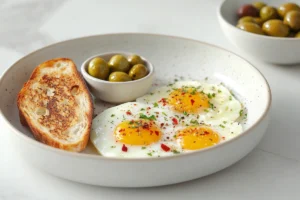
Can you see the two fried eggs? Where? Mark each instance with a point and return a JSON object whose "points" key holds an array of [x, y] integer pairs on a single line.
{"points": [[178, 118]]}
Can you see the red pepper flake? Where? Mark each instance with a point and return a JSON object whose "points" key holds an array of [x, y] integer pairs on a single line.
{"points": [[146, 126], [134, 104], [165, 147], [175, 121], [121, 130], [124, 148], [192, 101], [148, 108], [162, 124], [128, 112], [157, 133], [223, 138]]}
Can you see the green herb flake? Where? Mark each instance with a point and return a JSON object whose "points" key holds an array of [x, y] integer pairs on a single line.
{"points": [[164, 113], [205, 110], [176, 152], [112, 147], [155, 105], [222, 126], [143, 147], [175, 79], [185, 113], [149, 154], [151, 93], [142, 109], [230, 98], [206, 78], [224, 122], [213, 95], [131, 122], [195, 122], [112, 115], [152, 117], [212, 106], [241, 112], [219, 91]]}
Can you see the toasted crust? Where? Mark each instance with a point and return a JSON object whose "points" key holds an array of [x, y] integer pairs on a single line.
{"points": [[56, 105]]}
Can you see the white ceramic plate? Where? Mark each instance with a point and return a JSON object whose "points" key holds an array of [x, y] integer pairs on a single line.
{"points": [[172, 57]]}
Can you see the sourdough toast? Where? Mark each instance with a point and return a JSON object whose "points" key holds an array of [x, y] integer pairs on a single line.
{"points": [[56, 105]]}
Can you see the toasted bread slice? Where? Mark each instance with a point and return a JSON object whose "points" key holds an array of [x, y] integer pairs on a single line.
{"points": [[56, 104]]}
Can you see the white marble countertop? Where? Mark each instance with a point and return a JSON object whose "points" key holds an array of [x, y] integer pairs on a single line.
{"points": [[271, 171]]}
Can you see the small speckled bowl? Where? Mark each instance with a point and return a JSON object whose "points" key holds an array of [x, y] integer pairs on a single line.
{"points": [[117, 92]]}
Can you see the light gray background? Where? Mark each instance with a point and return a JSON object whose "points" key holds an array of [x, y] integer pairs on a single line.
{"points": [[271, 171]]}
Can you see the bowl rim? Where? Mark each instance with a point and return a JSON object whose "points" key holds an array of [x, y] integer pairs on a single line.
{"points": [[45, 147], [221, 17], [87, 76]]}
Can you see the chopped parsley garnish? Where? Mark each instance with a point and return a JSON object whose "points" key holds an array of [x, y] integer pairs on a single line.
{"points": [[241, 112], [221, 125], [212, 106], [112, 115], [230, 98], [151, 93], [194, 91], [143, 147], [205, 110], [112, 146], [155, 104], [194, 122], [224, 122], [164, 113], [175, 152], [219, 91], [170, 85], [131, 122], [210, 96], [152, 117], [175, 79], [149, 154], [142, 109], [185, 113]]}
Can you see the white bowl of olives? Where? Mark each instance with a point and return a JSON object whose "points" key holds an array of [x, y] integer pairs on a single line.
{"points": [[118, 77]]}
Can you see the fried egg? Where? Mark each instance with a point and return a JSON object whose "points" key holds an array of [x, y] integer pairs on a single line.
{"points": [[208, 103]]}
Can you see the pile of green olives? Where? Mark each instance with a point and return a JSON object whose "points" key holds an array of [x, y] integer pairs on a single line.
{"points": [[118, 68], [263, 19]]}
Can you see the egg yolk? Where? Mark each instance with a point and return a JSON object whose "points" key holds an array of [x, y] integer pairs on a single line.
{"points": [[137, 132], [198, 137], [188, 100]]}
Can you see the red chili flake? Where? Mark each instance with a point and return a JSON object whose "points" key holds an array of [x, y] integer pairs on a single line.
{"points": [[183, 93], [162, 124], [148, 108], [145, 126], [128, 112], [165, 147], [124, 148], [223, 138], [121, 130], [175, 121], [151, 132], [192, 101], [157, 133], [168, 137]]}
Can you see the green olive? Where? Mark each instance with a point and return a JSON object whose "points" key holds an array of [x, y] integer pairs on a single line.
{"points": [[135, 59], [250, 27], [138, 71], [259, 5], [258, 21], [118, 63], [297, 35], [98, 68], [292, 19], [276, 28], [119, 77], [287, 7], [267, 13], [247, 19]]}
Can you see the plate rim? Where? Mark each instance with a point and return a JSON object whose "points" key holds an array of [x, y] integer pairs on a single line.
{"points": [[45, 147]]}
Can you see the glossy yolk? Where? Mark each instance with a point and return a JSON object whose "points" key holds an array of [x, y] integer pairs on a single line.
{"points": [[198, 137], [137, 132], [188, 100]]}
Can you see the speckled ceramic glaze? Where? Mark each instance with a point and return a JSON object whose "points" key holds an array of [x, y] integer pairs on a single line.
{"points": [[172, 57]]}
